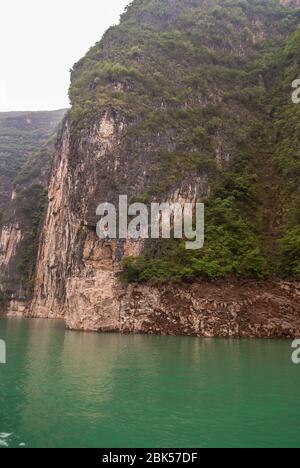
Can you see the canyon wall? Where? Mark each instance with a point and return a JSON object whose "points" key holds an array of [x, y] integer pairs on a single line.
{"points": [[26, 149], [181, 102], [76, 270], [78, 275]]}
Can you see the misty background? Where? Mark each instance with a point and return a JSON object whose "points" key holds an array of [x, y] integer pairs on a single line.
{"points": [[39, 43]]}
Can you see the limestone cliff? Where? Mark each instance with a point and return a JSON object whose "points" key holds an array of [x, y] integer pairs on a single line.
{"points": [[78, 275], [75, 269], [10, 239], [27, 182], [180, 102]]}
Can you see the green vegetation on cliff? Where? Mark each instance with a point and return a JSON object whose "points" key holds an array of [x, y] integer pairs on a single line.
{"points": [[217, 76], [25, 211]]}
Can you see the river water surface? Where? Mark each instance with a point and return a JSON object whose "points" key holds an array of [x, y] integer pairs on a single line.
{"points": [[71, 389]]}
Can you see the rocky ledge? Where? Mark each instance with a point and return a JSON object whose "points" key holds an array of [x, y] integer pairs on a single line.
{"points": [[224, 309]]}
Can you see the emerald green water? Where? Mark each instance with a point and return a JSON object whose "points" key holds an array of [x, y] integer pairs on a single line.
{"points": [[68, 389]]}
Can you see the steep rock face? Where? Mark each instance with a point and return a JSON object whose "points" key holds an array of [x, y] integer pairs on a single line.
{"points": [[22, 216], [55, 239], [268, 310], [75, 268], [21, 134], [78, 275], [175, 104], [10, 239]]}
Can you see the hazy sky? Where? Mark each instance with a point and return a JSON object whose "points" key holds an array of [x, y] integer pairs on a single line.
{"points": [[40, 40]]}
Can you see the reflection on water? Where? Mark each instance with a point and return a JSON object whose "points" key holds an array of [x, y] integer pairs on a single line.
{"points": [[67, 389]]}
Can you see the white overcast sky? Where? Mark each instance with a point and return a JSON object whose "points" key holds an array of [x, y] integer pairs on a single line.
{"points": [[40, 40]]}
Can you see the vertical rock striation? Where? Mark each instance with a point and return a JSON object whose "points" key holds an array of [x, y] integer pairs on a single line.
{"points": [[77, 274], [25, 169]]}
